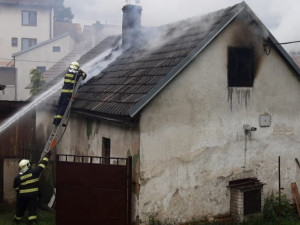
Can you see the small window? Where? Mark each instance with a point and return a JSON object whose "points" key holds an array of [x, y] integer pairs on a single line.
{"points": [[240, 67], [106, 149], [14, 41], [56, 49], [42, 69], [29, 18], [28, 42], [252, 201]]}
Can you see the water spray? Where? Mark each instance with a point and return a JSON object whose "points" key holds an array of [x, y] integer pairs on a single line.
{"points": [[92, 69], [30, 106]]}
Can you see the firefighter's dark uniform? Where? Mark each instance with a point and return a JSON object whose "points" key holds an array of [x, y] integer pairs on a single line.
{"points": [[70, 79], [26, 186]]}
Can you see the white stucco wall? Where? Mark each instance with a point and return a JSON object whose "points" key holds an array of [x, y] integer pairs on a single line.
{"points": [[11, 26], [84, 137], [192, 137], [10, 171], [40, 56], [8, 93]]}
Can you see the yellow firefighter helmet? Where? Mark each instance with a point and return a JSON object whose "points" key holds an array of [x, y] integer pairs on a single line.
{"points": [[24, 164], [74, 65]]}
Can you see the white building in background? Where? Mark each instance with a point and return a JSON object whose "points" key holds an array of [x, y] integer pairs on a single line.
{"points": [[23, 25], [41, 56]]}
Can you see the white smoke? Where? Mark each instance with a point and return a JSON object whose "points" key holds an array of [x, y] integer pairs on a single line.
{"points": [[99, 63], [280, 17]]}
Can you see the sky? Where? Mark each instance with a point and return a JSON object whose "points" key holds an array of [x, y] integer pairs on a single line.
{"points": [[281, 17]]}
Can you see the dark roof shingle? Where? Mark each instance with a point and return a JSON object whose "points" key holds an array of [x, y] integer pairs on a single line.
{"points": [[122, 89], [140, 69]]}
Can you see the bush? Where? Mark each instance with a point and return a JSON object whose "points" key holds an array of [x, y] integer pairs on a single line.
{"points": [[154, 221], [272, 211]]}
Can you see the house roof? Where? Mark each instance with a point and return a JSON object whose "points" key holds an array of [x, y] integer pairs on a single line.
{"points": [[58, 70], [74, 29], [129, 83], [43, 3], [40, 44]]}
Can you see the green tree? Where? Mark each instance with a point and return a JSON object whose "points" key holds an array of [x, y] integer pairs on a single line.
{"points": [[62, 13], [37, 81]]}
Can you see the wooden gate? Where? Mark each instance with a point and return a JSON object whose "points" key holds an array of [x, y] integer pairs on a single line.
{"points": [[91, 191]]}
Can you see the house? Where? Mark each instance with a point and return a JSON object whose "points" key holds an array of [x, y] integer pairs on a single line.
{"points": [[205, 106], [34, 40], [26, 23], [41, 56]]}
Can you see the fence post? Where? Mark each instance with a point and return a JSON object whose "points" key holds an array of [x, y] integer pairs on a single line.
{"points": [[129, 183]]}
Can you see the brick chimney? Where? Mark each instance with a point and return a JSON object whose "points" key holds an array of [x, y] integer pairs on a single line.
{"points": [[131, 23]]}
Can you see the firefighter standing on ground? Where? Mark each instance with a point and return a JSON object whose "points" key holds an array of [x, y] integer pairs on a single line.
{"points": [[26, 186], [72, 76]]}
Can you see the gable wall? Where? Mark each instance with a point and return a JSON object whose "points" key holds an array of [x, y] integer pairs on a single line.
{"points": [[192, 137], [11, 23], [41, 56]]}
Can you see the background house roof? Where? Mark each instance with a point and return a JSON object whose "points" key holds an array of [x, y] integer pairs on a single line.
{"points": [[40, 44], [157, 55], [74, 29], [47, 3], [58, 70]]}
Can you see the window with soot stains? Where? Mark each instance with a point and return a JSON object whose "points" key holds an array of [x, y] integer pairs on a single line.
{"points": [[240, 67]]}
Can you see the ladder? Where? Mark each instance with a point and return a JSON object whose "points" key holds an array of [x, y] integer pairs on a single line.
{"points": [[58, 131]]}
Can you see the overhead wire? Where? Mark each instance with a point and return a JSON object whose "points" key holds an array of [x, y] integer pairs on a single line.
{"points": [[290, 42], [26, 60]]}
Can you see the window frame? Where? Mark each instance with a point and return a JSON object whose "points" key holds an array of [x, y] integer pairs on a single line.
{"points": [[56, 49], [29, 45], [240, 68], [106, 149], [31, 20], [252, 201], [14, 42], [42, 69]]}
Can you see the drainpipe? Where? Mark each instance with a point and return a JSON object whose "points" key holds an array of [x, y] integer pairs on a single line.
{"points": [[51, 21]]}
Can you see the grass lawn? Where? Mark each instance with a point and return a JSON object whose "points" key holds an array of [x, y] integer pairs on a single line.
{"points": [[7, 213]]}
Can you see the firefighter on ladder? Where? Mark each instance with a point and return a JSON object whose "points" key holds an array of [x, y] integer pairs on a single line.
{"points": [[71, 77], [26, 186]]}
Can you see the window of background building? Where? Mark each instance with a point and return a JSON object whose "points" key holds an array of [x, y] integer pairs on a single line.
{"points": [[29, 18], [56, 48], [14, 41], [106, 149], [28, 42], [240, 67], [42, 69]]}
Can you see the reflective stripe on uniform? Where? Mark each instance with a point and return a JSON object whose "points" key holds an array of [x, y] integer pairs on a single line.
{"points": [[69, 81], [29, 190], [66, 91], [32, 217], [58, 116], [42, 165], [46, 159], [17, 218], [30, 181], [69, 75], [26, 176]]}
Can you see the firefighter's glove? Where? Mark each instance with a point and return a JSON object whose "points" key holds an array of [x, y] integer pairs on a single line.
{"points": [[48, 155]]}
